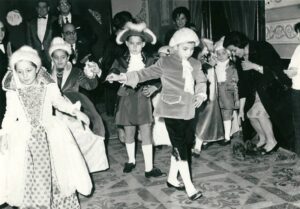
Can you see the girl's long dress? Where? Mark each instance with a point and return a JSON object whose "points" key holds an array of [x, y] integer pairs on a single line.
{"points": [[91, 145], [209, 124], [41, 189], [41, 166]]}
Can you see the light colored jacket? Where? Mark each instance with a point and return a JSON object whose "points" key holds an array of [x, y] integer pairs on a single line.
{"points": [[174, 102]]}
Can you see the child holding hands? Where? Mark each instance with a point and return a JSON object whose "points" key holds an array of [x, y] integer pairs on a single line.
{"points": [[179, 97], [41, 165]]}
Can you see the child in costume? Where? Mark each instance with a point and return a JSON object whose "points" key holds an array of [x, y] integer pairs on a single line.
{"points": [[41, 165], [69, 79], [227, 79], [183, 90], [209, 124], [134, 109]]}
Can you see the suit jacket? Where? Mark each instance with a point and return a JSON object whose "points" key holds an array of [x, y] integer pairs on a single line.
{"points": [[81, 25], [41, 46], [174, 101], [82, 50]]}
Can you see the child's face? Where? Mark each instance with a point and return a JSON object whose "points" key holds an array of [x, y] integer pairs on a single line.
{"points": [[185, 50], [222, 55], [135, 44], [26, 72], [60, 58]]}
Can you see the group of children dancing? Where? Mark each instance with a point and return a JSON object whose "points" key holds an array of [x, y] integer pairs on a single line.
{"points": [[42, 165]]}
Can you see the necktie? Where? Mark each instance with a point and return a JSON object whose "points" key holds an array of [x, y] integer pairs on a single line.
{"points": [[67, 20]]}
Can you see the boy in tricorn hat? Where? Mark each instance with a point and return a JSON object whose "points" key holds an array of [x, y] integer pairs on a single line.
{"points": [[134, 108]]}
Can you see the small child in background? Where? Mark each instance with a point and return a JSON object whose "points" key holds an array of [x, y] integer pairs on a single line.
{"points": [[227, 79]]}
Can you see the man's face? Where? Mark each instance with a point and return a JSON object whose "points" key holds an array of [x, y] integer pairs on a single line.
{"points": [[64, 7], [42, 9], [69, 34], [2, 32]]}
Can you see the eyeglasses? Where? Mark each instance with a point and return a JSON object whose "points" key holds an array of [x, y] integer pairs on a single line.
{"points": [[68, 33]]}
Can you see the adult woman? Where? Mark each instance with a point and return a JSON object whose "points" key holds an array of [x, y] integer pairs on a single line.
{"points": [[261, 86], [69, 80], [181, 17]]}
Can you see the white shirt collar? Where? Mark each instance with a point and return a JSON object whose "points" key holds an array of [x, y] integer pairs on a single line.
{"points": [[69, 16]]}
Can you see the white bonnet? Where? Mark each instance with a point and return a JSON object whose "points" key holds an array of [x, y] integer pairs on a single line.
{"points": [[59, 43], [184, 35], [25, 53]]}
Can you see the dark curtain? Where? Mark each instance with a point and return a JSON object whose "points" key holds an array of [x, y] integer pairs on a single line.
{"points": [[196, 14], [242, 16]]}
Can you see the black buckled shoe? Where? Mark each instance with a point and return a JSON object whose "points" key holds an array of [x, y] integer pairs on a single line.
{"points": [[180, 187], [196, 196], [155, 172], [128, 167]]}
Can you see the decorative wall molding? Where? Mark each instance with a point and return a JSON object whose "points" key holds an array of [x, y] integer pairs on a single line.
{"points": [[272, 4], [282, 32]]}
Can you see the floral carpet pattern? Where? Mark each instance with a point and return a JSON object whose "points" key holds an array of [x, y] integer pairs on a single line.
{"points": [[257, 182], [254, 182]]}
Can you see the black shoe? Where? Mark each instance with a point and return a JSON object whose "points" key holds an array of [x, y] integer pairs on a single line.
{"points": [[225, 142], [181, 186], [128, 167], [155, 172], [205, 146], [274, 149], [196, 196], [196, 153]]}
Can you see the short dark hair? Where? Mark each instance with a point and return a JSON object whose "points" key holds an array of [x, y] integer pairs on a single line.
{"points": [[121, 18], [237, 39], [297, 27], [44, 1], [181, 10]]}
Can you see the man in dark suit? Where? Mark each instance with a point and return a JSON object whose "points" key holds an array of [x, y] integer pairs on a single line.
{"points": [[81, 48], [66, 16], [40, 32]]}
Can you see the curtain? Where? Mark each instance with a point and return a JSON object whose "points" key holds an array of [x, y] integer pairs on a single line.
{"points": [[242, 16], [196, 14]]}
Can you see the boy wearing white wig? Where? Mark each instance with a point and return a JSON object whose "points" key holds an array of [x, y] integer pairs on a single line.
{"points": [[227, 79], [183, 90]]}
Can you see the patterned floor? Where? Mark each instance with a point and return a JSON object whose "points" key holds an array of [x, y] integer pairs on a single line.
{"points": [[268, 182], [257, 182]]}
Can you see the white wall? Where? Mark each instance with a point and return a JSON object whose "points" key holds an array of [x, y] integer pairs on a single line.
{"points": [[281, 15]]}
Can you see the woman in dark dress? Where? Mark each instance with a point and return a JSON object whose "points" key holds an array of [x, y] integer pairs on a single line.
{"points": [[262, 86]]}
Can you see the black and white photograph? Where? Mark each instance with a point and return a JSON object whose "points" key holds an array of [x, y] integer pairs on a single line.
{"points": [[150, 104]]}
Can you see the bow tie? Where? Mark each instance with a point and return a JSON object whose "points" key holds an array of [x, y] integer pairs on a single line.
{"points": [[43, 17]]}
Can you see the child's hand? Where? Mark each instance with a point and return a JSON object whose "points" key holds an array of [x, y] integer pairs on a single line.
{"points": [[114, 77], [198, 100], [291, 72], [149, 90], [91, 69], [82, 117]]}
